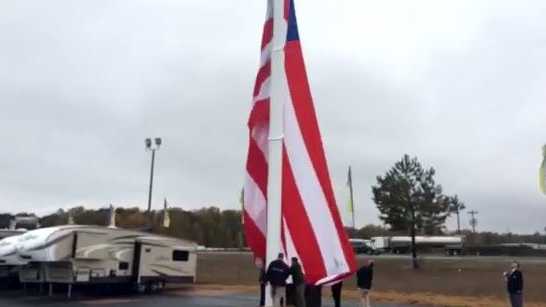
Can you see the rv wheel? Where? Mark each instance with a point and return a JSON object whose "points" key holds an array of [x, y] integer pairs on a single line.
{"points": [[155, 286], [140, 288]]}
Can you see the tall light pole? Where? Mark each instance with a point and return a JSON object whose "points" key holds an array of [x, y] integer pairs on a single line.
{"points": [[152, 146]]}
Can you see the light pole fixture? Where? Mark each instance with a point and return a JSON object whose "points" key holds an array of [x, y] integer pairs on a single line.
{"points": [[152, 145]]}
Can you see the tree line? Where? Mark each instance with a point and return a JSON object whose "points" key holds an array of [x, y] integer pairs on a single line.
{"points": [[213, 227], [409, 200]]}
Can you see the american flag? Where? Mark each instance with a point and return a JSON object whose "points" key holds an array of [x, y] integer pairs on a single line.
{"points": [[312, 229]]}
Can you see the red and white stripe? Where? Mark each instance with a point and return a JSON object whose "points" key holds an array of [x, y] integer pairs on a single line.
{"points": [[312, 229], [255, 196]]}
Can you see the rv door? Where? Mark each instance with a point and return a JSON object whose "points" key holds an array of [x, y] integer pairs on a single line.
{"points": [[136, 262]]}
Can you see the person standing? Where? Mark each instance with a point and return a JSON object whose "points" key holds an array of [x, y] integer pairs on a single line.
{"points": [[336, 293], [364, 278], [276, 275], [299, 282], [514, 285]]}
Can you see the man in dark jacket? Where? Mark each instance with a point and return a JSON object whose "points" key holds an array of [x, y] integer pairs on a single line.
{"points": [[276, 275], [364, 278], [299, 282], [514, 285]]}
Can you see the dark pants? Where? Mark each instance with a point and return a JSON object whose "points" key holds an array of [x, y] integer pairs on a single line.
{"points": [[262, 294], [299, 295], [290, 294], [313, 296], [336, 293], [516, 300]]}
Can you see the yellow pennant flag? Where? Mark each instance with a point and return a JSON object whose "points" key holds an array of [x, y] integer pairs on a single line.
{"points": [[242, 201], [542, 172]]}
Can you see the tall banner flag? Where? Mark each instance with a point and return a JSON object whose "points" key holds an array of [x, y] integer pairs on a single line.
{"points": [[542, 172], [166, 216], [70, 218], [310, 225], [242, 202], [351, 205], [112, 222]]}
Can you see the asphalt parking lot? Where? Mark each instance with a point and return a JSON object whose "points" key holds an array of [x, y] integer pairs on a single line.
{"points": [[169, 299]]}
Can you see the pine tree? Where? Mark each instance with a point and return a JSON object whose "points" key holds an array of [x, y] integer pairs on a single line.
{"points": [[409, 199]]}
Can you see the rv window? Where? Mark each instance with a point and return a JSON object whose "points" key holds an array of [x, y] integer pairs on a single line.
{"points": [[124, 265], [180, 255]]}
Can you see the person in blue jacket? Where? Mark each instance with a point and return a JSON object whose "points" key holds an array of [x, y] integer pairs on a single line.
{"points": [[514, 285], [364, 278], [277, 273]]}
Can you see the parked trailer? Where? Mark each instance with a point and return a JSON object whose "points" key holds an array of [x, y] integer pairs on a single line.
{"points": [[453, 245], [5, 233], [75, 254], [9, 262]]}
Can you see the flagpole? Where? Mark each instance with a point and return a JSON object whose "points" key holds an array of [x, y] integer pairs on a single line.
{"points": [[278, 90], [351, 196], [542, 172]]}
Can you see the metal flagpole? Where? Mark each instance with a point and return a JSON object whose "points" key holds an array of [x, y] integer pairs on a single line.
{"points": [[542, 174], [350, 180], [278, 97]]}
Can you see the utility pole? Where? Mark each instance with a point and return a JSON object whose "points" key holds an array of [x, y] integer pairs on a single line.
{"points": [[458, 222], [414, 262], [473, 220], [151, 146]]}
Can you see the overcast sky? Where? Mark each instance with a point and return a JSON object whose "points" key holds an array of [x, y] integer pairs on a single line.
{"points": [[459, 84]]}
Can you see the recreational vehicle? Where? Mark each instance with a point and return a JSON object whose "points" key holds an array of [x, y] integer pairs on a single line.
{"points": [[4, 233], [75, 254], [9, 262]]}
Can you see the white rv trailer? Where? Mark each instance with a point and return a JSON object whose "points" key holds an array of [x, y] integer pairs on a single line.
{"points": [[76, 254], [9, 262], [4, 233]]}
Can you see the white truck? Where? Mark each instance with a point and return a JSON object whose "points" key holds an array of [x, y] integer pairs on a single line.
{"points": [[452, 245], [362, 246]]}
